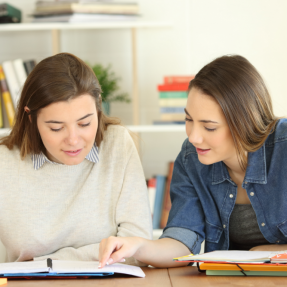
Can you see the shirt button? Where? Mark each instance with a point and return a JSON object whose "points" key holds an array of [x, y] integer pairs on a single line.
{"points": [[224, 226], [262, 224], [251, 193], [245, 182], [231, 195], [278, 241]]}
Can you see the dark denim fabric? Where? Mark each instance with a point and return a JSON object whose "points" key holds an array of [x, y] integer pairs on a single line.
{"points": [[203, 196]]}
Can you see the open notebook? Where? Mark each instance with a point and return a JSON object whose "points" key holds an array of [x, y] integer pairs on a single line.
{"points": [[64, 268]]}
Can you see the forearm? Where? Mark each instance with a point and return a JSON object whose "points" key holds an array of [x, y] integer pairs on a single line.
{"points": [[270, 247], [159, 253]]}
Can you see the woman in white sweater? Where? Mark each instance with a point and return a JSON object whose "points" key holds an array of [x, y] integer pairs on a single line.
{"points": [[69, 175]]}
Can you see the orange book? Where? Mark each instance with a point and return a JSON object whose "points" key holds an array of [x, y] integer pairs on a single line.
{"points": [[166, 201], [177, 79], [7, 98]]}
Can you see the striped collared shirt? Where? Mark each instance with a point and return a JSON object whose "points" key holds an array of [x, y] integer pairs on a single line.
{"points": [[40, 159]]}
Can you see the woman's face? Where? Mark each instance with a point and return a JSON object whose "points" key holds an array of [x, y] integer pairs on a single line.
{"points": [[207, 129], [68, 129]]}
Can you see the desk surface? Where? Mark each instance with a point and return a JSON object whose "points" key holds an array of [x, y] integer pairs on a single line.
{"points": [[172, 277]]}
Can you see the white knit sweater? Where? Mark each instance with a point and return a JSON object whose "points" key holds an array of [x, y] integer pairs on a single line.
{"points": [[63, 212]]}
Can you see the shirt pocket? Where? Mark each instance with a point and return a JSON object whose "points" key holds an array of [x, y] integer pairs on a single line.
{"points": [[212, 232], [283, 228]]}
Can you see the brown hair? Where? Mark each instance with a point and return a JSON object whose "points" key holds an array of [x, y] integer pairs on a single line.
{"points": [[244, 99], [58, 78]]}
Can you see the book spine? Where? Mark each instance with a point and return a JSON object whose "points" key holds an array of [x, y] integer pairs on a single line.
{"points": [[166, 202], [172, 117], [1, 114], [12, 81], [177, 79], [173, 95], [173, 87], [160, 186], [172, 110], [7, 98], [151, 193], [169, 122], [20, 71], [172, 102], [29, 66], [7, 10]]}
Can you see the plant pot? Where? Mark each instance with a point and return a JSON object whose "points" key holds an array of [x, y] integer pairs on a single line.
{"points": [[106, 108]]}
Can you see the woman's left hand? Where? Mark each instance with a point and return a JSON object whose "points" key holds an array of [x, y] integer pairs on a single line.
{"points": [[270, 247]]}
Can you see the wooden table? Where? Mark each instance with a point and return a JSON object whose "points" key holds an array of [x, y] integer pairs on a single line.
{"points": [[171, 277]]}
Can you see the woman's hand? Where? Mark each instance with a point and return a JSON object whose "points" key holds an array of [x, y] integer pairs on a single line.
{"points": [[270, 247], [115, 249]]}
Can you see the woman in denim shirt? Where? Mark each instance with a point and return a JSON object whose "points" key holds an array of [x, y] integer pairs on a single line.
{"points": [[229, 180]]}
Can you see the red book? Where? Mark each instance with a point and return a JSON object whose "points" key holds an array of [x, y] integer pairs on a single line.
{"points": [[173, 87], [177, 79]]}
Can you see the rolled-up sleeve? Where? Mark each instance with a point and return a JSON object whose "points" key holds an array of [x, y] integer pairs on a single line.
{"points": [[186, 222]]}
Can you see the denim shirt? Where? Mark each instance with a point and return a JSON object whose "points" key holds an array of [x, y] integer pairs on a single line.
{"points": [[203, 196]]}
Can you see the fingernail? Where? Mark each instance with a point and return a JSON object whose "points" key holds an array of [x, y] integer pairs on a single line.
{"points": [[110, 261], [123, 260], [100, 265]]}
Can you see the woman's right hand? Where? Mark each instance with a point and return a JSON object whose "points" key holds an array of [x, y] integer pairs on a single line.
{"points": [[115, 249]]}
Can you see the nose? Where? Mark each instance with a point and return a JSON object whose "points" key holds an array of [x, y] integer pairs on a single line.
{"points": [[72, 138], [194, 134]]}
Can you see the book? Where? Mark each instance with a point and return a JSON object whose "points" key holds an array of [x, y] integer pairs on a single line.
{"points": [[82, 17], [169, 122], [7, 100], [245, 273], [62, 268], [20, 71], [169, 102], [279, 258], [12, 81], [172, 116], [230, 256], [1, 114], [151, 193], [173, 95], [177, 79], [173, 87], [9, 14], [160, 186], [166, 201], [29, 65], [97, 7], [172, 110]]}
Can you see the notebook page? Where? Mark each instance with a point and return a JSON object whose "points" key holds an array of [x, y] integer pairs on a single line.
{"points": [[62, 266], [24, 267]]}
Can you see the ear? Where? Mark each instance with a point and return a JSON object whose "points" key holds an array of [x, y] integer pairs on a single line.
{"points": [[27, 110]]}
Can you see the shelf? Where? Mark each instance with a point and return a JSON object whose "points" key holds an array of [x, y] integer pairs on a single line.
{"points": [[156, 128], [76, 26]]}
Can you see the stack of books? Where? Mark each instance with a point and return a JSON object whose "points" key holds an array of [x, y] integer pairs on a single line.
{"points": [[240, 263], [172, 99], [84, 11]]}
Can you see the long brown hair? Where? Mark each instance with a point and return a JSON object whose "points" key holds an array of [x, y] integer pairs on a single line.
{"points": [[244, 99], [58, 78]]}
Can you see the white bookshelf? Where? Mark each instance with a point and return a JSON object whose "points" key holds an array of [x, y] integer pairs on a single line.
{"points": [[56, 29]]}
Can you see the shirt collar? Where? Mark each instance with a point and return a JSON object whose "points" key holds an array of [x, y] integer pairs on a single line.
{"points": [[39, 159], [255, 173]]}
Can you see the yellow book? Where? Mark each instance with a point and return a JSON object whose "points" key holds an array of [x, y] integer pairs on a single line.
{"points": [[1, 114], [7, 98]]}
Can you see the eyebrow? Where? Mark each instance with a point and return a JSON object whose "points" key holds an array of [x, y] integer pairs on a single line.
{"points": [[202, 121], [57, 122]]}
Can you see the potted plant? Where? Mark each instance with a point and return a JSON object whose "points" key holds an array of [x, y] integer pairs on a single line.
{"points": [[109, 84]]}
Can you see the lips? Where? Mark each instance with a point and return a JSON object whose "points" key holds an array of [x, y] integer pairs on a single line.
{"points": [[73, 152], [202, 151]]}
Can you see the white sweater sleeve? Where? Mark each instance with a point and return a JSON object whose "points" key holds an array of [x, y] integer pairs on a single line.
{"points": [[132, 214]]}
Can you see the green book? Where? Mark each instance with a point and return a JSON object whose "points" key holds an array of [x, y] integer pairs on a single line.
{"points": [[248, 273], [9, 14], [173, 95]]}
